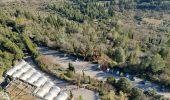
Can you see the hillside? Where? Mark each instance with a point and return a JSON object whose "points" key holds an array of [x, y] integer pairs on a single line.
{"points": [[130, 35]]}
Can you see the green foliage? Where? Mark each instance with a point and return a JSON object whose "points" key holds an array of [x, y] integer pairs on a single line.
{"points": [[80, 98], [137, 94], [119, 55], [6, 61], [109, 96], [31, 47], [111, 80], [93, 29], [151, 92], [123, 85], [11, 47], [71, 67], [1, 89], [70, 74], [157, 63]]}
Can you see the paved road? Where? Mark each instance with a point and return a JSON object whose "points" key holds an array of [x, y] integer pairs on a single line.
{"points": [[92, 69]]}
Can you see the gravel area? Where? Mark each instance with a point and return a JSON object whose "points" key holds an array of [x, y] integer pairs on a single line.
{"points": [[84, 93]]}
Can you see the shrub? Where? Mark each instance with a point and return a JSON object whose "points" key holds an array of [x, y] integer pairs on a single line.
{"points": [[123, 85], [111, 80]]}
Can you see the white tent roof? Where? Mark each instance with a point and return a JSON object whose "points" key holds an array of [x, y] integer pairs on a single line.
{"points": [[25, 68], [20, 65], [55, 90], [52, 93], [41, 81], [41, 93], [17, 73], [62, 96], [45, 89], [11, 71], [48, 84], [15, 68], [34, 78], [28, 74], [49, 96]]}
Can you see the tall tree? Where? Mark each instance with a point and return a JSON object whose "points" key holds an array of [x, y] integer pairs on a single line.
{"points": [[119, 55], [157, 63]]}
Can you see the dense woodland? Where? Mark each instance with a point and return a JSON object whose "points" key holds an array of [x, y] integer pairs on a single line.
{"points": [[131, 35]]}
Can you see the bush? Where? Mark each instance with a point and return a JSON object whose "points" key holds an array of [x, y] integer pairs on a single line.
{"points": [[137, 94], [111, 80], [123, 85], [70, 74], [71, 67], [30, 46]]}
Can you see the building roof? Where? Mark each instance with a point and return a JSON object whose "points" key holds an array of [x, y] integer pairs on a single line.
{"points": [[48, 84], [34, 78], [27, 75], [15, 68], [49, 96], [55, 90], [41, 93], [41, 81], [62, 96]]}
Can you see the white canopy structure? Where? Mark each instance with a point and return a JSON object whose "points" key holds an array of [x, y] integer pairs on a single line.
{"points": [[41, 93], [46, 89], [28, 74], [34, 78], [25, 69], [41, 81], [62, 96], [54, 91], [49, 96], [17, 73], [47, 86], [15, 68]]}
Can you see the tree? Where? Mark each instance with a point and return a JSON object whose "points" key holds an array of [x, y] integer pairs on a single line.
{"points": [[119, 55], [111, 80], [137, 94], [111, 11], [123, 85], [71, 94], [157, 63], [89, 79], [151, 92], [84, 76], [164, 52], [70, 74], [134, 55], [144, 64], [71, 67]]}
